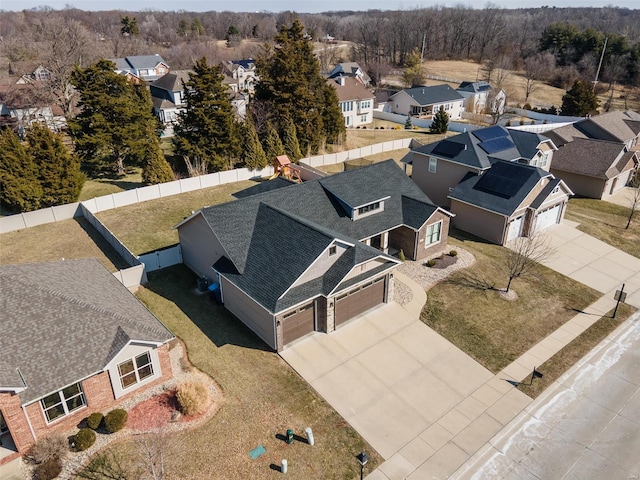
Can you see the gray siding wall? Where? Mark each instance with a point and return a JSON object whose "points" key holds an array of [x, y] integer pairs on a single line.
{"points": [[580, 184], [200, 247], [436, 185], [321, 265], [365, 267], [249, 312], [481, 223]]}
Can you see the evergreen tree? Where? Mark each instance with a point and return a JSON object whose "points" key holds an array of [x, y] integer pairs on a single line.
{"points": [[333, 121], [272, 144], [291, 145], [156, 169], [579, 100], [253, 155], [440, 123], [129, 26], [299, 93], [414, 74], [20, 189], [59, 172], [407, 124], [115, 121], [206, 131]]}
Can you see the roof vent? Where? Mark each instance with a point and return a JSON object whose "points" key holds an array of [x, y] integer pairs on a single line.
{"points": [[465, 146]]}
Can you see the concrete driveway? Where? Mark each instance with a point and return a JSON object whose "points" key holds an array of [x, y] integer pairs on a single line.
{"points": [[593, 262]]}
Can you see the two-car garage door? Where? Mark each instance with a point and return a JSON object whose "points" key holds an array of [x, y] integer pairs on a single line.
{"points": [[359, 300]]}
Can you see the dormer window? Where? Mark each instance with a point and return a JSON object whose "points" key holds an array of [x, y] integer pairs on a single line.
{"points": [[369, 208]]}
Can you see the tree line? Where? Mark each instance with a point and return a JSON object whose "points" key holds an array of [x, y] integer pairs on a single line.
{"points": [[294, 112]]}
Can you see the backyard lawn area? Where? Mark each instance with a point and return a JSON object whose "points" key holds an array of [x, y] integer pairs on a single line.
{"points": [[606, 221], [75, 238], [468, 310], [146, 227], [263, 397], [97, 187]]}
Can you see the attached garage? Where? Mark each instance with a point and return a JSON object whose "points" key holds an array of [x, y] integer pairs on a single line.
{"points": [[548, 217], [359, 300], [515, 228], [298, 323]]}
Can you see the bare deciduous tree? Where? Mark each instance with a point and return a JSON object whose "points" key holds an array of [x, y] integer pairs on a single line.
{"points": [[523, 254], [536, 69], [634, 199]]}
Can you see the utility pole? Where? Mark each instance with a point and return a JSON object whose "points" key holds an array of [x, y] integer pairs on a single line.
{"points": [[595, 81], [424, 39]]}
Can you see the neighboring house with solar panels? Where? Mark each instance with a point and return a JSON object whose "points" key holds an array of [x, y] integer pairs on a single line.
{"points": [[309, 257], [450, 172], [74, 341]]}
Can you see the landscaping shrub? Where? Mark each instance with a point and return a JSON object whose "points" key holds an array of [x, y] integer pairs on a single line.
{"points": [[508, 124], [53, 446], [453, 253], [527, 106], [49, 469], [192, 397], [115, 420], [95, 420], [431, 263], [84, 439], [401, 255], [521, 122]]}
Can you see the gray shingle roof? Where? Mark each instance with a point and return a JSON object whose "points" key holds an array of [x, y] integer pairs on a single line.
{"points": [[590, 157], [171, 81], [272, 237], [614, 126], [64, 321], [466, 148], [500, 189], [431, 95], [474, 87]]}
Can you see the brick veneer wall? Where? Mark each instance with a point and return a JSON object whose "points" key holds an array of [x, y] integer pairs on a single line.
{"points": [[98, 394]]}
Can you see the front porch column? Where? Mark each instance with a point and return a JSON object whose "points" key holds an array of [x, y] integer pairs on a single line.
{"points": [[384, 242], [367, 242]]}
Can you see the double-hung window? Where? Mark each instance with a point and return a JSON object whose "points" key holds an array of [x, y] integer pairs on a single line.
{"points": [[63, 402], [135, 370], [433, 234], [433, 163]]}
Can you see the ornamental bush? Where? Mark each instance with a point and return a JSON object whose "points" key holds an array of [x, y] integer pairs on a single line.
{"points": [[95, 420], [84, 439], [48, 470], [52, 446], [115, 420], [192, 398], [453, 253]]}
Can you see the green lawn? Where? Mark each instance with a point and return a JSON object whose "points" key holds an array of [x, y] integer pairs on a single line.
{"points": [[469, 311], [263, 397], [75, 238], [606, 221], [146, 227], [97, 187], [553, 368]]}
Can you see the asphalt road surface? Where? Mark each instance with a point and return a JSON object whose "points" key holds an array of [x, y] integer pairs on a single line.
{"points": [[587, 426]]}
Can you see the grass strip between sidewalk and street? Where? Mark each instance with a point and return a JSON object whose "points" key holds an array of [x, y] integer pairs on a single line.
{"points": [[571, 354]]}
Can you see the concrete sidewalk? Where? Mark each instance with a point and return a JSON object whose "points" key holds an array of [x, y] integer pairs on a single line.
{"points": [[12, 471]]}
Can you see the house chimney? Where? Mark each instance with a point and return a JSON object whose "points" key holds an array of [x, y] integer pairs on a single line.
{"points": [[341, 80]]}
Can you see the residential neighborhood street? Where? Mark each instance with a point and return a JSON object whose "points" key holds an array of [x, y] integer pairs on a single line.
{"points": [[584, 426]]}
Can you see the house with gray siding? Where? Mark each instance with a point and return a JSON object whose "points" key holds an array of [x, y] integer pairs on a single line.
{"points": [[74, 341], [310, 257]]}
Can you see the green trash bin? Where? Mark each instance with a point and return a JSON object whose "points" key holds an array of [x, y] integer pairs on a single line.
{"points": [[289, 436]]}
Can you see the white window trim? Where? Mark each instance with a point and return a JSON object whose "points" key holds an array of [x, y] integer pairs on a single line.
{"points": [[433, 161], [426, 237], [136, 370], [63, 402]]}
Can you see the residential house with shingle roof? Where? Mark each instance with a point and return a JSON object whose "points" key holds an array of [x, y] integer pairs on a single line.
{"points": [[167, 95], [426, 101], [240, 75], [352, 70], [508, 200], [309, 257], [479, 97], [74, 341], [356, 101], [614, 126], [594, 168], [145, 67]]}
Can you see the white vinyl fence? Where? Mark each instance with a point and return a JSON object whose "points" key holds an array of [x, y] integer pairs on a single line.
{"points": [[423, 122], [162, 258]]}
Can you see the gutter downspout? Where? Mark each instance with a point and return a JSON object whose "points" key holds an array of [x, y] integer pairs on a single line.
{"points": [[33, 434]]}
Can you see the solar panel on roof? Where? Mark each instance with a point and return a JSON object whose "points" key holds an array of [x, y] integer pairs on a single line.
{"points": [[490, 133], [496, 145], [497, 184], [448, 148]]}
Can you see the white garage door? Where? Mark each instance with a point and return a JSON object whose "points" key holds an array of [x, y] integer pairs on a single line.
{"points": [[515, 228], [548, 217]]}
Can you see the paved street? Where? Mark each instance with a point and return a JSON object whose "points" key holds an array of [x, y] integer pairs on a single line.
{"points": [[586, 426]]}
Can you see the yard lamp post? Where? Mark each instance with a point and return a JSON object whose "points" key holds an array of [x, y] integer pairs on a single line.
{"points": [[362, 459]]}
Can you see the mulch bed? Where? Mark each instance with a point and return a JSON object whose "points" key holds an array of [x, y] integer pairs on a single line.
{"points": [[157, 411], [444, 261]]}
